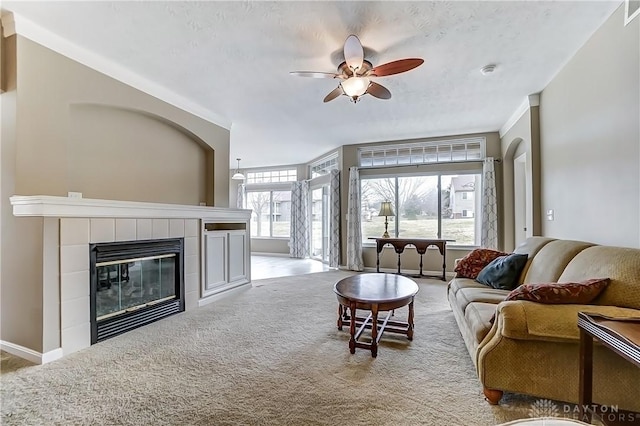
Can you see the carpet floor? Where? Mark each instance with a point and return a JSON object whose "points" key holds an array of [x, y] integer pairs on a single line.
{"points": [[268, 355]]}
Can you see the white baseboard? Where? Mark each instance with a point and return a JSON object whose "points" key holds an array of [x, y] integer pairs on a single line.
{"points": [[30, 354], [224, 293], [260, 253]]}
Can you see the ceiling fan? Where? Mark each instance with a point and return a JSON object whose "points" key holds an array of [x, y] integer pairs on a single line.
{"points": [[356, 73]]}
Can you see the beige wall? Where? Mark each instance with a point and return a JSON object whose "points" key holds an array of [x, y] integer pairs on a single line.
{"points": [[77, 109], [65, 127], [590, 140]]}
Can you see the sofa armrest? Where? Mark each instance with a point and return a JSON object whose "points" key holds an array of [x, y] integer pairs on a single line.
{"points": [[523, 320]]}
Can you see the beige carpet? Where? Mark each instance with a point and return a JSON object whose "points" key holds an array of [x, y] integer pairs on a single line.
{"points": [[270, 355]]}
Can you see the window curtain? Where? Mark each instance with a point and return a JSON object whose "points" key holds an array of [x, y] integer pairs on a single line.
{"points": [[241, 196], [299, 240], [334, 219], [489, 232], [354, 231]]}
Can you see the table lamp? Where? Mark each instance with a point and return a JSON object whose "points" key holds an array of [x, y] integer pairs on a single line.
{"points": [[386, 210]]}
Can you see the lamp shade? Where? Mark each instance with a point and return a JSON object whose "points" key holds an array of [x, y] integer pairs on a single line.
{"points": [[386, 209]]}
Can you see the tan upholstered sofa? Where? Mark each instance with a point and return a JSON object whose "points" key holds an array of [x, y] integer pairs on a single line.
{"points": [[532, 348]]}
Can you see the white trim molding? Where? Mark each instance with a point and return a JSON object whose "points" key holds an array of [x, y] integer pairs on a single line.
{"points": [[52, 206], [16, 24], [529, 101], [29, 354]]}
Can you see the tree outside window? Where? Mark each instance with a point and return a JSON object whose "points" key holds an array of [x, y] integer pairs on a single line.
{"points": [[271, 213]]}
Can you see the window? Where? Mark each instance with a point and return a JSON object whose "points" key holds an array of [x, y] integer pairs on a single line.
{"points": [[271, 216], [324, 166], [272, 176], [454, 150], [430, 206]]}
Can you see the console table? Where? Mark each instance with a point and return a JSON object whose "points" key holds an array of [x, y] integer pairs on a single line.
{"points": [[620, 335], [421, 245]]}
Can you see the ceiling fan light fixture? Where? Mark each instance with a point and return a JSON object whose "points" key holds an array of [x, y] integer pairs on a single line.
{"points": [[355, 87]]}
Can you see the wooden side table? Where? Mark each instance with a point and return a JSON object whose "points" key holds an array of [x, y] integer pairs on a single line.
{"points": [[421, 245], [621, 335]]}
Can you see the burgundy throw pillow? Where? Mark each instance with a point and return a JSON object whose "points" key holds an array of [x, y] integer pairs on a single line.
{"points": [[471, 265], [581, 293]]}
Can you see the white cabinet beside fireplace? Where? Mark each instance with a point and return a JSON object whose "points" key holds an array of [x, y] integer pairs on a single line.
{"points": [[226, 260]]}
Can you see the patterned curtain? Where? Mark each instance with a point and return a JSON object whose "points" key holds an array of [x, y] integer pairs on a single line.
{"points": [[354, 232], [334, 219], [489, 233], [299, 240], [241, 193]]}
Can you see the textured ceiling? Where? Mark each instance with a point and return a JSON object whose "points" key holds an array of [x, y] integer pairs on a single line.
{"points": [[233, 59]]}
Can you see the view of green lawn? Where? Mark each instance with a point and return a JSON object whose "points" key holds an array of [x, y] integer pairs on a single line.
{"points": [[460, 230]]}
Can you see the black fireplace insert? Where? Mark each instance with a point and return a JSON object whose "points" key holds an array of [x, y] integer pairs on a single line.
{"points": [[134, 283]]}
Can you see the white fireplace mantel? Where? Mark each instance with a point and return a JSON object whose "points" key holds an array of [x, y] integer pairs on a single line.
{"points": [[52, 206]]}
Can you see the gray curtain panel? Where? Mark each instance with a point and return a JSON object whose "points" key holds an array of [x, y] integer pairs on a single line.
{"points": [[489, 226], [241, 196], [354, 217], [334, 219], [299, 239]]}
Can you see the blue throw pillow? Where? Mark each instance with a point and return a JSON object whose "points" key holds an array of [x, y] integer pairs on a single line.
{"points": [[503, 272]]}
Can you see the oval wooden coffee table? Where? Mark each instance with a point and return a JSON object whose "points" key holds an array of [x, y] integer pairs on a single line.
{"points": [[375, 293]]}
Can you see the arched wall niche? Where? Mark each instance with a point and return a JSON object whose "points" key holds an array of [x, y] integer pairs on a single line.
{"points": [[514, 147], [127, 154]]}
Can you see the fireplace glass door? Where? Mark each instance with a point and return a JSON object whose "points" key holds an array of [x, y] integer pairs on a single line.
{"points": [[130, 284]]}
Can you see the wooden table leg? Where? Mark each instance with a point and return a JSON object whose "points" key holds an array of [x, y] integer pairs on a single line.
{"points": [[410, 322], [586, 375], [352, 327], [444, 262], [374, 330], [340, 316]]}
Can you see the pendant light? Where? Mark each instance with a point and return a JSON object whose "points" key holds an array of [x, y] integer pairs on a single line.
{"points": [[238, 175]]}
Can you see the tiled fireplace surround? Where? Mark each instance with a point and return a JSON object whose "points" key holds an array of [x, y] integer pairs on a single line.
{"points": [[70, 225], [75, 236]]}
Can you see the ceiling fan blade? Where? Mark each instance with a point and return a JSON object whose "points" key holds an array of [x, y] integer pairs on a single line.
{"points": [[334, 94], [378, 91], [353, 52], [396, 67], [314, 74]]}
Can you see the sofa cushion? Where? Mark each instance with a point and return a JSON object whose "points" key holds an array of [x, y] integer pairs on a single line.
{"points": [[503, 272], [471, 265], [477, 317], [549, 262], [582, 292], [621, 265], [457, 284], [485, 295], [531, 246], [523, 320]]}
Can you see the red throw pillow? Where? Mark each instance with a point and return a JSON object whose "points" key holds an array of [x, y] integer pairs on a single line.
{"points": [[581, 293], [471, 265]]}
